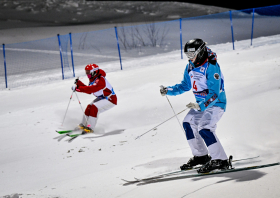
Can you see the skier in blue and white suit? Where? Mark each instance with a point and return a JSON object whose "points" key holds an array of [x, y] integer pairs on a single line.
{"points": [[203, 75]]}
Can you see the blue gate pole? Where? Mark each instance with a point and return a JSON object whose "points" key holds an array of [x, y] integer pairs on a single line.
{"points": [[181, 38], [118, 46], [252, 26], [60, 55], [232, 37], [5, 66], [72, 54]]}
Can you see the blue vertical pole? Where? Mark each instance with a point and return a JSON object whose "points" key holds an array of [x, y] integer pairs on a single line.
{"points": [[5, 66], [252, 33], [116, 31], [60, 55], [232, 37], [72, 58], [181, 38]]}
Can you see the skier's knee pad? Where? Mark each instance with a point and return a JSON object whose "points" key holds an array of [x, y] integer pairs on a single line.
{"points": [[207, 136], [87, 111], [91, 110], [188, 130]]}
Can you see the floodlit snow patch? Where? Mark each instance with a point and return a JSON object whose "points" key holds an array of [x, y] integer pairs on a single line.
{"points": [[38, 162]]}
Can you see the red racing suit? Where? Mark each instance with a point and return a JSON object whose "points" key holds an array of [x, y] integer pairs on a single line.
{"points": [[99, 87]]}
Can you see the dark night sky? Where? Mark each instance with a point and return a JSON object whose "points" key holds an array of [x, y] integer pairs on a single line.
{"points": [[234, 4]]}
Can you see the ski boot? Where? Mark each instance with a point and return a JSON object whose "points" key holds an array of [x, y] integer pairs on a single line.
{"points": [[81, 126], [216, 164], [195, 161], [86, 129]]}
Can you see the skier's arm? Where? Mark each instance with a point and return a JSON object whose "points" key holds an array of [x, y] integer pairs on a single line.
{"points": [[213, 76], [184, 86], [80, 83], [97, 86]]}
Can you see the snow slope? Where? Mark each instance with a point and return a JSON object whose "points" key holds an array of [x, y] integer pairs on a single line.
{"points": [[37, 162]]}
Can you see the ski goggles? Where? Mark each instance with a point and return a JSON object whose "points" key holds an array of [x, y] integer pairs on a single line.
{"points": [[90, 73], [191, 52]]}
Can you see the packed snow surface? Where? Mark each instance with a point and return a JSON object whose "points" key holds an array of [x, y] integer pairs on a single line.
{"points": [[38, 162]]}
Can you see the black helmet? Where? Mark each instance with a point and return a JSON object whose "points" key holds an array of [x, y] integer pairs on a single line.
{"points": [[196, 47]]}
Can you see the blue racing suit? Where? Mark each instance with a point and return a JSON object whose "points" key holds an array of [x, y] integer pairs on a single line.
{"points": [[207, 83]]}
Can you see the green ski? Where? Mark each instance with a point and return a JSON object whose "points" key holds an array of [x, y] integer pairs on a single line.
{"points": [[66, 131]]}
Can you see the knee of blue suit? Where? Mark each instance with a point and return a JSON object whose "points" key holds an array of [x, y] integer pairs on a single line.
{"points": [[188, 131], [208, 137]]}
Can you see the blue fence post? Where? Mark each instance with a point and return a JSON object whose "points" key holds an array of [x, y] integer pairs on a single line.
{"points": [[252, 33], [58, 37], [181, 42], [116, 31], [72, 58], [5, 66], [232, 36]]}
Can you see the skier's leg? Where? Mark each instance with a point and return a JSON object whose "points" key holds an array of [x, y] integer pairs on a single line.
{"points": [[92, 118], [97, 108], [197, 145], [103, 105], [195, 141], [85, 117], [207, 128]]}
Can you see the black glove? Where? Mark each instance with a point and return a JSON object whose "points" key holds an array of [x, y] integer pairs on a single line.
{"points": [[163, 90], [76, 80]]}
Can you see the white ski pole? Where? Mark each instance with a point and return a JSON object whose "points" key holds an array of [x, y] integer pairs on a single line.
{"points": [[159, 124], [86, 118], [175, 114], [82, 109], [67, 108]]}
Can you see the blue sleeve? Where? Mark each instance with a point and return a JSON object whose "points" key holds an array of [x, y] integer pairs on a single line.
{"points": [[213, 75], [184, 86]]}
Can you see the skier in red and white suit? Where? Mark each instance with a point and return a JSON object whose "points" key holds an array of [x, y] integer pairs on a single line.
{"points": [[99, 87]]}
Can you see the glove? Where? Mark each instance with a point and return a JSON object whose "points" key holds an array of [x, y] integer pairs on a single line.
{"points": [[163, 90], [192, 105], [74, 87], [76, 80]]}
